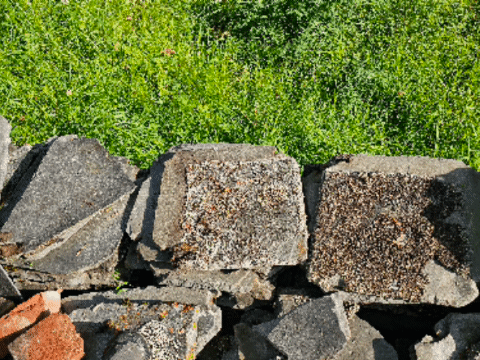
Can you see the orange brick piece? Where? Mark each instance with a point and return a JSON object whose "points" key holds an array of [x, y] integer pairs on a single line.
{"points": [[26, 314], [52, 338]]}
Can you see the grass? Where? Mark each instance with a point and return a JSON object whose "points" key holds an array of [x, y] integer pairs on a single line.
{"points": [[314, 78]]}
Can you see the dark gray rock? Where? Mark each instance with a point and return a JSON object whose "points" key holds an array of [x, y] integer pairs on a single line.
{"points": [[128, 346], [251, 346], [314, 330]]}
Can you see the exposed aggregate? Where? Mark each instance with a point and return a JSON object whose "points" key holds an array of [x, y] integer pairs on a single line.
{"points": [[236, 212], [164, 328], [378, 231]]}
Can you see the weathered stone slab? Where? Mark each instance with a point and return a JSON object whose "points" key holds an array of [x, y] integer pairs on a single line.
{"points": [[80, 248], [8, 288], [222, 206], [20, 159], [142, 218], [456, 337], [380, 220], [26, 277], [74, 180], [127, 346], [86, 192], [148, 294], [5, 141], [365, 343], [252, 346], [240, 281], [447, 288], [242, 286], [315, 330], [170, 327]]}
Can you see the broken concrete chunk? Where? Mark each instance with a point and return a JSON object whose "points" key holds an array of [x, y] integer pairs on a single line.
{"points": [[170, 329], [254, 347], [128, 346], [314, 330], [378, 217], [240, 281], [223, 206], [455, 336], [74, 180], [447, 288], [366, 343], [148, 294]]}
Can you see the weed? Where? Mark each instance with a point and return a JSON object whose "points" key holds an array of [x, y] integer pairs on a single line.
{"points": [[116, 277]]}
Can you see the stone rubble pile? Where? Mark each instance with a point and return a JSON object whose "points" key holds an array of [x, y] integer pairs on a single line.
{"points": [[231, 254]]}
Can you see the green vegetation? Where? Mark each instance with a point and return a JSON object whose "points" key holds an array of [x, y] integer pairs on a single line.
{"points": [[116, 277], [315, 78]]}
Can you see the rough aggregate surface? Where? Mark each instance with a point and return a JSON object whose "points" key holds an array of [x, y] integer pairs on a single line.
{"points": [[236, 212], [376, 232]]}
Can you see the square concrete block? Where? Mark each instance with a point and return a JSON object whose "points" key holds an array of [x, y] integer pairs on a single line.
{"points": [[226, 206], [393, 227]]}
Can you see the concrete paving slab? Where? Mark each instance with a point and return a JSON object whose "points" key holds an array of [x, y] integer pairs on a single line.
{"points": [[234, 188], [379, 220]]}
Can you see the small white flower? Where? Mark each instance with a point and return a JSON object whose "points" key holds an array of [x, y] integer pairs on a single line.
{"points": [[65, 2], [69, 92]]}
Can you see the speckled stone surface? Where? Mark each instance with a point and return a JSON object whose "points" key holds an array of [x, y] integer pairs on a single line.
{"points": [[230, 206], [375, 232]]}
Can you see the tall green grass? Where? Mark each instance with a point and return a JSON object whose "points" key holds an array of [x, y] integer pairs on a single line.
{"points": [[314, 78]]}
